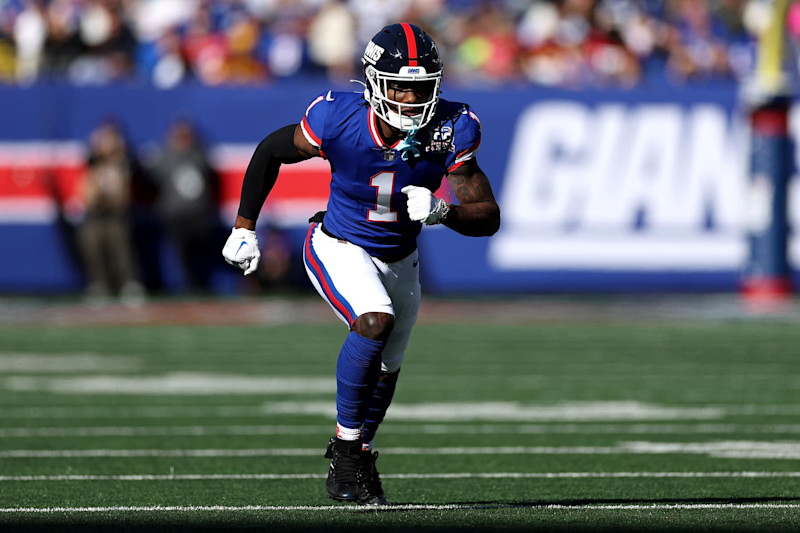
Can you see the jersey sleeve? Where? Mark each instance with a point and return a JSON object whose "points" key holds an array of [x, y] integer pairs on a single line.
{"points": [[467, 139], [313, 123]]}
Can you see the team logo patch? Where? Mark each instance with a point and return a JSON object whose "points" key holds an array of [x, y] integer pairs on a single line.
{"points": [[441, 140], [373, 52]]}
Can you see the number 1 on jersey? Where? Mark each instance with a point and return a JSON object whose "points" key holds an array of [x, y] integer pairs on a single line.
{"points": [[384, 183]]}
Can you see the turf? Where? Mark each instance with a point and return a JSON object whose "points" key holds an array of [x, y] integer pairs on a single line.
{"points": [[587, 425]]}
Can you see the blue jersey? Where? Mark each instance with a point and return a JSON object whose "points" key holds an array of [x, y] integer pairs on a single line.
{"points": [[365, 205]]}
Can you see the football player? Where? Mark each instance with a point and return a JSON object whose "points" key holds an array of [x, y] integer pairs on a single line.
{"points": [[388, 149]]}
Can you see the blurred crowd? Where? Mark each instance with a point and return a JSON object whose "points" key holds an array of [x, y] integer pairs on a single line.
{"points": [[141, 210], [565, 43], [178, 189]]}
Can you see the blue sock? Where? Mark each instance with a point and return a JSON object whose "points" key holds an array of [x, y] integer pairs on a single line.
{"points": [[357, 371], [381, 398]]}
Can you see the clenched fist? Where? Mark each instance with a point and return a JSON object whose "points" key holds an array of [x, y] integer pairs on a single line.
{"points": [[423, 206], [241, 250]]}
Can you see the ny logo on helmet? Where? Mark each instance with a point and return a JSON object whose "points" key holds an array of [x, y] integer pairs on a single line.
{"points": [[373, 52]]}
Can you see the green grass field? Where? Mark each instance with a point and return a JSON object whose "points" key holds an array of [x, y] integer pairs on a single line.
{"points": [[585, 424]]}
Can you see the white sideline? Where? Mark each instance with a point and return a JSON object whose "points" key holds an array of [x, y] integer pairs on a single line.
{"points": [[427, 429], [454, 475], [408, 507]]}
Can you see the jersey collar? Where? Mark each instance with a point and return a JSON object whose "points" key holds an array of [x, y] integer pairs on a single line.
{"points": [[372, 120]]}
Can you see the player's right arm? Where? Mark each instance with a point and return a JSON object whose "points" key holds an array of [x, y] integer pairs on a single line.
{"points": [[284, 146], [289, 144]]}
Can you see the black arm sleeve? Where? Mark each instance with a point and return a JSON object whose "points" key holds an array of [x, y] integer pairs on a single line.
{"points": [[262, 172]]}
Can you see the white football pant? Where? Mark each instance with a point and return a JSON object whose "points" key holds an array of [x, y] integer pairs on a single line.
{"points": [[353, 283]]}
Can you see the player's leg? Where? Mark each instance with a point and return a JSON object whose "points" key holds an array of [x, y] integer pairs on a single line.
{"points": [[401, 280], [359, 366], [346, 278]]}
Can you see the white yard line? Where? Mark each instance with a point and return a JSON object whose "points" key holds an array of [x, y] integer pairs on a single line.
{"points": [[731, 449], [454, 475], [150, 431], [562, 412], [173, 384], [590, 411], [145, 411], [426, 429], [409, 507], [70, 363]]}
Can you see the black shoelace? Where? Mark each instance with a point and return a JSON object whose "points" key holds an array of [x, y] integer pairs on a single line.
{"points": [[345, 467]]}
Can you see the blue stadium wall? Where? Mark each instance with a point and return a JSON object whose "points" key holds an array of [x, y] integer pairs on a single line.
{"points": [[600, 191]]}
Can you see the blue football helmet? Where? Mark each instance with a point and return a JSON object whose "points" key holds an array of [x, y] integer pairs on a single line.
{"points": [[402, 53]]}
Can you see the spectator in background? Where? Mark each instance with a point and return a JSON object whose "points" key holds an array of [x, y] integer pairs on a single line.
{"points": [[242, 66], [63, 45], [204, 48], [105, 233], [332, 40], [187, 191], [30, 34], [284, 39], [169, 68], [109, 44], [489, 50], [697, 48]]}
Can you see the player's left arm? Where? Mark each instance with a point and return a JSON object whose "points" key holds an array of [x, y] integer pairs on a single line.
{"points": [[477, 214]]}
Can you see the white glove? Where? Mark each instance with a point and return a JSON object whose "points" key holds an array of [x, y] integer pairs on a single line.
{"points": [[423, 206], [241, 250]]}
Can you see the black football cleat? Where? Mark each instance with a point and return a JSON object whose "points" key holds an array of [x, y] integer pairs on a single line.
{"points": [[342, 482], [369, 487]]}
